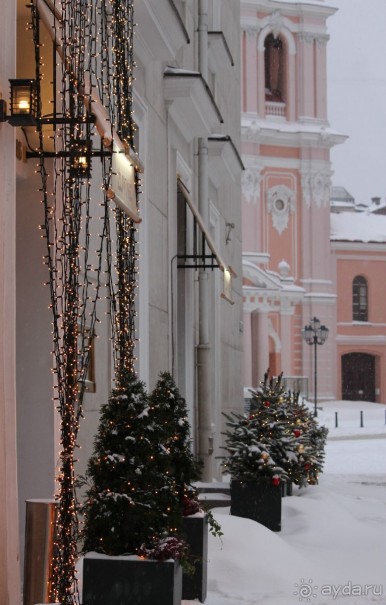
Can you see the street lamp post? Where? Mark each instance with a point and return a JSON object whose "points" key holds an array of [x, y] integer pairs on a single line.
{"points": [[315, 334]]}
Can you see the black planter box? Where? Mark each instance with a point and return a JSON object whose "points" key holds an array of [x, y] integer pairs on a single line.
{"points": [[130, 581], [283, 486], [195, 531], [257, 500], [286, 488]]}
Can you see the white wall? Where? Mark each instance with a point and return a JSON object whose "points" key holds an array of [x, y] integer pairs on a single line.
{"points": [[9, 543]]}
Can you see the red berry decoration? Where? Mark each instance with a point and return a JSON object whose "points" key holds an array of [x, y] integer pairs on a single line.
{"points": [[276, 481], [267, 404], [191, 506], [297, 433]]}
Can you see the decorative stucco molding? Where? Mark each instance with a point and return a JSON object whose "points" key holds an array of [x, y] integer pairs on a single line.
{"points": [[316, 189], [277, 25], [276, 22], [306, 37], [281, 202], [322, 39], [250, 181], [250, 131], [251, 31]]}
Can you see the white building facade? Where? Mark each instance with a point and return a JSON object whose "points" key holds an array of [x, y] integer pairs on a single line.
{"points": [[189, 304]]}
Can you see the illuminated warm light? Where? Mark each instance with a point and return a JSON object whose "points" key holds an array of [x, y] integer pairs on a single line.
{"points": [[24, 105], [67, 221]]}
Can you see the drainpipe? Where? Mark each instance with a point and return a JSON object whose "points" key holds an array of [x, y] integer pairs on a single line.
{"points": [[204, 377], [203, 38]]}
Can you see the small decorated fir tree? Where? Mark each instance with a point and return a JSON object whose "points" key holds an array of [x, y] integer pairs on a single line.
{"points": [[279, 430], [248, 457], [271, 419], [311, 440], [294, 439], [169, 411], [131, 503]]}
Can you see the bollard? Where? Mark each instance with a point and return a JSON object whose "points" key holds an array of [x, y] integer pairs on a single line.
{"points": [[39, 546], [336, 420], [361, 424]]}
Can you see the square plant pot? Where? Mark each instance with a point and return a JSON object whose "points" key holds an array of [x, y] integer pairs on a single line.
{"points": [[286, 488], [283, 486], [130, 580], [195, 533], [257, 500]]}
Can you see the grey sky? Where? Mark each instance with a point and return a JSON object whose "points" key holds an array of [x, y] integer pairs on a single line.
{"points": [[357, 95]]}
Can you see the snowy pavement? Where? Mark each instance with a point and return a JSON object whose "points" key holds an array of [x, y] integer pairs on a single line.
{"points": [[332, 547]]}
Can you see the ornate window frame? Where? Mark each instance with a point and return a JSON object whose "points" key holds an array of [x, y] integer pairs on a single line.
{"points": [[281, 203]]}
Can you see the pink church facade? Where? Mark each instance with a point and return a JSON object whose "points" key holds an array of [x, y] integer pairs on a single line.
{"points": [[358, 243], [298, 261], [286, 142]]}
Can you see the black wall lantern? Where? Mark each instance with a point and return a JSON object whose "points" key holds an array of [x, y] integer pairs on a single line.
{"points": [[23, 103], [80, 159]]}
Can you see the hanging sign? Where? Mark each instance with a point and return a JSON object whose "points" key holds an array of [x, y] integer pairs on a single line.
{"points": [[123, 190], [227, 285]]}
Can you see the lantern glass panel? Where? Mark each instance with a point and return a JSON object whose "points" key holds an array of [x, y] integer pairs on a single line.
{"points": [[80, 159], [23, 102]]}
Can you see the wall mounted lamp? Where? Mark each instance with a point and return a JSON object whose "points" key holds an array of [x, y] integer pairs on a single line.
{"points": [[24, 112], [23, 103], [80, 159]]}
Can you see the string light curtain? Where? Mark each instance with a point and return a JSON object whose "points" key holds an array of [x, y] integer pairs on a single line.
{"points": [[94, 51], [123, 296]]}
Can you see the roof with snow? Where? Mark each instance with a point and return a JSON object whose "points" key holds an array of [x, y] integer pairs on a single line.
{"points": [[341, 200], [341, 194], [358, 227], [378, 205]]}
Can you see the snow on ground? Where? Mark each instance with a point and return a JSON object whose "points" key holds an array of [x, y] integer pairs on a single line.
{"points": [[332, 547]]}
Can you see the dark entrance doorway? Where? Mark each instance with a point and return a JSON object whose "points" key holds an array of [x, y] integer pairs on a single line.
{"points": [[358, 377]]}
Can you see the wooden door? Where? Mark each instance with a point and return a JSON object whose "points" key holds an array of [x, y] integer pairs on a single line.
{"points": [[358, 377]]}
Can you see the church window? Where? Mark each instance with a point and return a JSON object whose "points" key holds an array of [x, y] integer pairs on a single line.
{"points": [[274, 69], [359, 298]]}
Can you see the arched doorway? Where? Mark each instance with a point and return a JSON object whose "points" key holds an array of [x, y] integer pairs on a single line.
{"points": [[358, 377]]}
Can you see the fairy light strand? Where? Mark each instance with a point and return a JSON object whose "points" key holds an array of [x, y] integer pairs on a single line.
{"points": [[96, 40]]}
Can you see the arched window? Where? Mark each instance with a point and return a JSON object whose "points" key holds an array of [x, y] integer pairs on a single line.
{"points": [[359, 298], [274, 69]]}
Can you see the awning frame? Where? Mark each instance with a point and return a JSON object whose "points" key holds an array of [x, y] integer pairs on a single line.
{"points": [[205, 253]]}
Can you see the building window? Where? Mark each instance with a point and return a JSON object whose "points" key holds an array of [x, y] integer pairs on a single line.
{"points": [[274, 69], [359, 299]]}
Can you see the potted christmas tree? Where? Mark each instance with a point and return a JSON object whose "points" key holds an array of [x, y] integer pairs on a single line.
{"points": [[271, 414], [170, 413], [132, 510], [293, 437], [311, 439], [255, 476]]}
